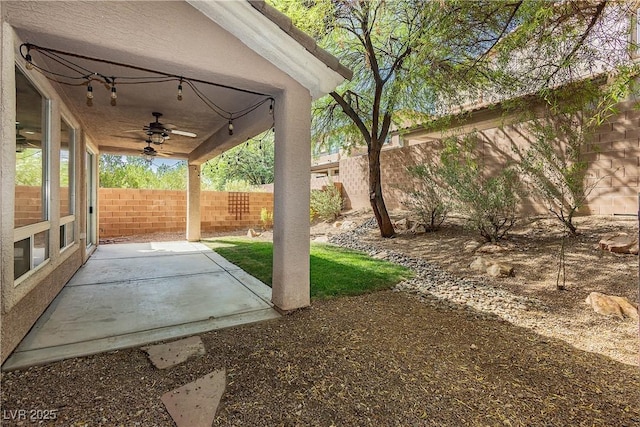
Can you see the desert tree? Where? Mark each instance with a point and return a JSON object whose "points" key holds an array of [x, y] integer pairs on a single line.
{"points": [[417, 59]]}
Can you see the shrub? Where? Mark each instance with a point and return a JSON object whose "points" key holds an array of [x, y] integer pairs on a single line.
{"points": [[266, 217], [238, 186], [326, 204], [553, 162], [489, 203], [427, 200]]}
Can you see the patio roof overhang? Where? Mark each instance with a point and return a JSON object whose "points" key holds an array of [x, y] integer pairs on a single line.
{"points": [[236, 44]]}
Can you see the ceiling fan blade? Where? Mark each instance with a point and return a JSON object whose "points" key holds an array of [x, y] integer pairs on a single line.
{"points": [[133, 130], [183, 133]]}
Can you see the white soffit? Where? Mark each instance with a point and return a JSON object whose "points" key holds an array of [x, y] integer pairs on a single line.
{"points": [[264, 37]]}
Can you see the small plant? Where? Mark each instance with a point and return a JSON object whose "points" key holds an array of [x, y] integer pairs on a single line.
{"points": [[326, 204], [489, 203], [427, 200], [555, 166], [266, 217]]}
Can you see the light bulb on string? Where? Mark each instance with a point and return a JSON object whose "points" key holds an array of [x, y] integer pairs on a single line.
{"points": [[271, 107], [89, 95], [230, 127], [180, 90], [29, 60], [114, 95]]}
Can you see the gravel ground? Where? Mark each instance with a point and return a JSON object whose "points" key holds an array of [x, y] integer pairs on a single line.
{"points": [[383, 359], [443, 349]]}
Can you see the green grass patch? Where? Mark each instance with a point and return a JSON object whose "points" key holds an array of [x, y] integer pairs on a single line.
{"points": [[335, 271]]}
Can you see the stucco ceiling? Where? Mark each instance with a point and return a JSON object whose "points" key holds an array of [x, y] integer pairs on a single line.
{"points": [[119, 129], [173, 38]]}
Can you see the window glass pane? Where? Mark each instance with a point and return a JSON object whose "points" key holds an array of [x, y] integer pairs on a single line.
{"points": [[40, 248], [21, 257], [66, 235], [66, 169], [30, 154], [69, 233]]}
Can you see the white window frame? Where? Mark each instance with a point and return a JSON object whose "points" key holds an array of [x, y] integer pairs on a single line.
{"points": [[70, 219], [29, 231]]}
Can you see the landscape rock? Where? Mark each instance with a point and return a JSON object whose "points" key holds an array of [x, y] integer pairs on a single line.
{"points": [[490, 249], [171, 354], [252, 233], [402, 224], [348, 225], [610, 305], [381, 255], [418, 228], [619, 243], [321, 239], [471, 246], [195, 404], [500, 270], [337, 224], [479, 264]]}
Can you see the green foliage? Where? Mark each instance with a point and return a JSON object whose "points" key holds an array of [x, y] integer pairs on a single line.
{"points": [[136, 172], [237, 186], [488, 202], [553, 160], [250, 163], [427, 199], [266, 218], [326, 204], [29, 167], [334, 271]]}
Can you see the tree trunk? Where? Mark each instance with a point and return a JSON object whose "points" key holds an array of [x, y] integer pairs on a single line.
{"points": [[375, 196]]}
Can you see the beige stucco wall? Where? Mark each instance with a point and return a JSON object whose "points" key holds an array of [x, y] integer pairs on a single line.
{"points": [[613, 161]]}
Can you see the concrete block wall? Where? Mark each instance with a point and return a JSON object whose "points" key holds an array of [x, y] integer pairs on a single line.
{"points": [[126, 212], [28, 204], [613, 159]]}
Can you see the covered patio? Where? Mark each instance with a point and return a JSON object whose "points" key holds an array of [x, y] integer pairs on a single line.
{"points": [[132, 294], [80, 79]]}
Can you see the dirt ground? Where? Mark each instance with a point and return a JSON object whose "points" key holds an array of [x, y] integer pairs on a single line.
{"points": [[533, 249], [389, 359]]}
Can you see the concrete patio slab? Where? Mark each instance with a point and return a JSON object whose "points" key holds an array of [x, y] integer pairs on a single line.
{"points": [[195, 404], [110, 304], [130, 250], [143, 267], [170, 354]]}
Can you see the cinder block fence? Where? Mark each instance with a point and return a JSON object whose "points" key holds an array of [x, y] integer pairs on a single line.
{"points": [[126, 212]]}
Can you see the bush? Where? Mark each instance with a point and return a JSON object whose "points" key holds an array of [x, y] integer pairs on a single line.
{"points": [[427, 200], [326, 204], [553, 162], [237, 186], [489, 203], [266, 217]]}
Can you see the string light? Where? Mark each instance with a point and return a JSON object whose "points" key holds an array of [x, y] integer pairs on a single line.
{"points": [[29, 60], [114, 95], [89, 95], [80, 75]]}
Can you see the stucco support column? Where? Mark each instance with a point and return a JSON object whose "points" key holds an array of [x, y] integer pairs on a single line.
{"points": [[290, 288], [193, 203]]}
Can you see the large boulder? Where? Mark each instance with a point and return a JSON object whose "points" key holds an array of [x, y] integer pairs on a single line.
{"points": [[619, 243], [499, 269], [610, 305], [479, 264], [402, 224], [490, 249], [493, 269]]}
